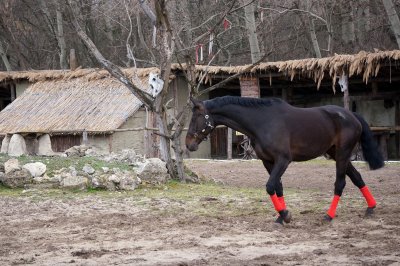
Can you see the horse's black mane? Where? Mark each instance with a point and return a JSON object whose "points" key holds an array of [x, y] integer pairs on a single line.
{"points": [[243, 101]]}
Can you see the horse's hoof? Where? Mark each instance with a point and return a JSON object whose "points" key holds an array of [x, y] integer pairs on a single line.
{"points": [[279, 220], [369, 212], [327, 218], [286, 216]]}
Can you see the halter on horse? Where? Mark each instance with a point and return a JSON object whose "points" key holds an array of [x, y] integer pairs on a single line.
{"points": [[281, 133]]}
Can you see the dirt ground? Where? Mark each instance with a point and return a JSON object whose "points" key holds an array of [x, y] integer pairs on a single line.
{"points": [[233, 224]]}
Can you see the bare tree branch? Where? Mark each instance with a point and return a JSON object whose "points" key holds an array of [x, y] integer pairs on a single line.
{"points": [[147, 10], [114, 70]]}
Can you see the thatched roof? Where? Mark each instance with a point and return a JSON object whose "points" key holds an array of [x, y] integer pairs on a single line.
{"points": [[86, 74], [364, 63], [73, 105]]}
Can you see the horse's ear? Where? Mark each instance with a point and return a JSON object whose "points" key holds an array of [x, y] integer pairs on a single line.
{"points": [[196, 103]]}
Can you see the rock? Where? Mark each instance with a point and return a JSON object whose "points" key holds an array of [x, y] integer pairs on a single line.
{"points": [[36, 169], [5, 143], [129, 183], [126, 180], [42, 179], [73, 171], [88, 169], [77, 151], [153, 171], [17, 178], [126, 155], [17, 146], [116, 170], [115, 178], [11, 166], [44, 146], [105, 169], [102, 182], [45, 182], [74, 182]]}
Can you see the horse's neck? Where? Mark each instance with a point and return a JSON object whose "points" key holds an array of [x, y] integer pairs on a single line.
{"points": [[233, 119]]}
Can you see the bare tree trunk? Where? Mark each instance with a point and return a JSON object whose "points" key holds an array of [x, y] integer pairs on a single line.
{"points": [[57, 32], [141, 37], [363, 21], [168, 49], [61, 39], [348, 34], [109, 29], [252, 32], [393, 18], [314, 39], [4, 57]]}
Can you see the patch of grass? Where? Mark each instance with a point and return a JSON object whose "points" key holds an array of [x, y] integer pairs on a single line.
{"points": [[5, 191]]}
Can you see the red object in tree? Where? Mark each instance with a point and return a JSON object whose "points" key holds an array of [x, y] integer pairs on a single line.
{"points": [[226, 23]]}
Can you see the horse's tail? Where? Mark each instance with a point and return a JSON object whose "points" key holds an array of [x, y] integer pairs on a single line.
{"points": [[369, 147]]}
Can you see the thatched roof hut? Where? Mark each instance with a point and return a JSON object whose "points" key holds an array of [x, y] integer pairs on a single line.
{"points": [[367, 64], [69, 101]]}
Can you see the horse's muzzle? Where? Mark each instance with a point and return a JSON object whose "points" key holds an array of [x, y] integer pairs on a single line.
{"points": [[191, 144], [192, 147]]}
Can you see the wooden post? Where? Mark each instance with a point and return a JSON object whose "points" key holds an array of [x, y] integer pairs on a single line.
{"points": [[284, 94], [13, 92], [73, 62], [85, 140], [396, 124], [383, 145], [229, 144], [344, 84], [346, 100], [374, 86], [287, 94]]}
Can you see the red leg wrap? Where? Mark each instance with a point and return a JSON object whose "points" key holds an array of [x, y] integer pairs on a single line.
{"points": [[282, 201], [277, 204], [368, 196], [332, 209]]}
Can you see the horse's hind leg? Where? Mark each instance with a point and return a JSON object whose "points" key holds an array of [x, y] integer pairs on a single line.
{"points": [[357, 180], [342, 158]]}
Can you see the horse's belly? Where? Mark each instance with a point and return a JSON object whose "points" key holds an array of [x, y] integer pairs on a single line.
{"points": [[310, 148]]}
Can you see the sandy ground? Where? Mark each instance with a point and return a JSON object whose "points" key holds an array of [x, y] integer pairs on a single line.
{"points": [[53, 228]]}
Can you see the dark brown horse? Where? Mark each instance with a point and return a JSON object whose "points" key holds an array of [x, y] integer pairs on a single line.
{"points": [[281, 133]]}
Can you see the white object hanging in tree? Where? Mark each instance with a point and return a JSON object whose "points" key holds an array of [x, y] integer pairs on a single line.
{"points": [[156, 84], [344, 82]]}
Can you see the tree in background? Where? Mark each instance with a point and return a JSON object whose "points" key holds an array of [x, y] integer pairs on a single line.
{"points": [[31, 32]]}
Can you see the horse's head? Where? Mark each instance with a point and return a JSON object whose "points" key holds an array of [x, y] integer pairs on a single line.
{"points": [[200, 126]]}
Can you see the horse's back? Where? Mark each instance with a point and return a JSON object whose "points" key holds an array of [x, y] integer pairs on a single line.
{"points": [[313, 131]]}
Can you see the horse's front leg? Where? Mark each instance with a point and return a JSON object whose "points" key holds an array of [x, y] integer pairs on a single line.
{"points": [[275, 189]]}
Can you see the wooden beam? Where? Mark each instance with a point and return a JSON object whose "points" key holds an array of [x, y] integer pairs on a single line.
{"points": [[397, 124], [229, 144], [73, 61], [345, 89]]}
